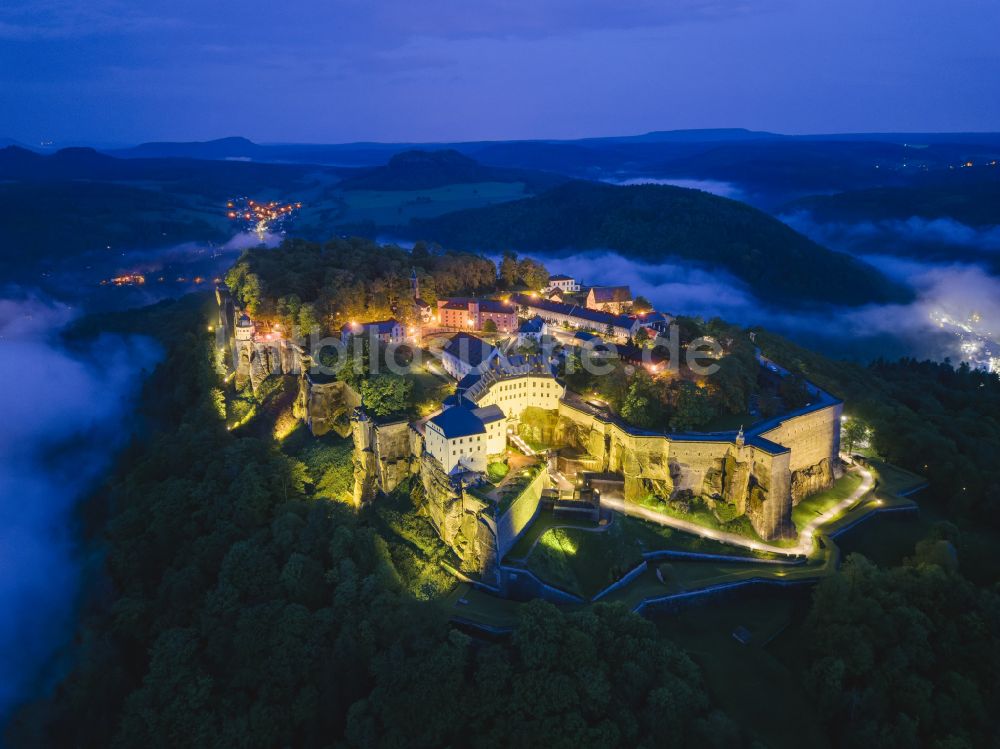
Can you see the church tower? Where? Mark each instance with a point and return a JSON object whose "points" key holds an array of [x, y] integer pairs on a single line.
{"points": [[415, 284]]}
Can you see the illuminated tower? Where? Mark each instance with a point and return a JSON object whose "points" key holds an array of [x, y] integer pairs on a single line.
{"points": [[244, 328], [415, 284], [243, 348]]}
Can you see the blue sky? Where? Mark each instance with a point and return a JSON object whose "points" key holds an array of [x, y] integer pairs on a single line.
{"points": [[111, 71]]}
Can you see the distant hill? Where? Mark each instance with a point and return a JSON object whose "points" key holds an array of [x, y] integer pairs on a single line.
{"points": [[970, 203], [45, 222], [697, 135], [654, 223], [214, 178], [804, 164], [421, 170], [222, 148]]}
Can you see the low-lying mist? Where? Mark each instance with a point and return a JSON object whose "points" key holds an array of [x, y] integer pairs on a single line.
{"points": [[939, 239], [957, 289], [168, 271], [64, 412]]}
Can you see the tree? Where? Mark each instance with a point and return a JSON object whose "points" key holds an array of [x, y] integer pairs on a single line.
{"points": [[794, 391], [642, 406], [508, 270], [693, 409], [905, 656], [309, 321], [489, 327], [641, 304], [641, 337], [419, 252], [386, 394], [856, 434], [532, 274]]}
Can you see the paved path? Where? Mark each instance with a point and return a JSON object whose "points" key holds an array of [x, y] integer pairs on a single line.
{"points": [[804, 545]]}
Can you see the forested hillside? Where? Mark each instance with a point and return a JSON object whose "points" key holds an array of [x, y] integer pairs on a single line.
{"points": [[971, 203], [245, 607], [654, 223], [419, 170]]}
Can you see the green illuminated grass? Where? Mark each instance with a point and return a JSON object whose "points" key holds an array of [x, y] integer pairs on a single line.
{"points": [[813, 506]]}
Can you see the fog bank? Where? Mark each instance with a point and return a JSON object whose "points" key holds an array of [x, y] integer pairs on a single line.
{"points": [[681, 288], [64, 418]]}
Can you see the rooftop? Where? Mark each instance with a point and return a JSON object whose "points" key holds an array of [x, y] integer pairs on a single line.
{"points": [[598, 318], [469, 349], [458, 422], [605, 294], [534, 325], [488, 414], [380, 326]]}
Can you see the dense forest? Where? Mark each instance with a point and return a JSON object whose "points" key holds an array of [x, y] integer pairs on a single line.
{"points": [[243, 604], [970, 203], [322, 286], [654, 223], [245, 609]]}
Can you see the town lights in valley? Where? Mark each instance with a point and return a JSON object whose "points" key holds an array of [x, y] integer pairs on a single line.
{"points": [[261, 218]]}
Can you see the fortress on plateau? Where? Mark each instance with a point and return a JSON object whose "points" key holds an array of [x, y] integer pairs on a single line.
{"points": [[504, 402]]}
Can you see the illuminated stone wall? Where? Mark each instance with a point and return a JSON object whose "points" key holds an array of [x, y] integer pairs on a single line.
{"points": [[519, 515], [759, 482], [812, 436]]}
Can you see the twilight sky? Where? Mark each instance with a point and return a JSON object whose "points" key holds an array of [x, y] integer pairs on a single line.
{"points": [[120, 71]]}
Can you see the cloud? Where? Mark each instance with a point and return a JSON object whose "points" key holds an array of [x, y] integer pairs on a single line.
{"points": [[912, 233], [715, 187], [63, 419], [958, 291]]}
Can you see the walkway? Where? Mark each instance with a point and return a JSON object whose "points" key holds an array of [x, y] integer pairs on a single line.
{"points": [[804, 546]]}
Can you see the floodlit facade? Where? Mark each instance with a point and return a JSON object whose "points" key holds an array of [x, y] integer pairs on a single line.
{"points": [[463, 437], [619, 327], [472, 314], [563, 283], [616, 299], [384, 331]]}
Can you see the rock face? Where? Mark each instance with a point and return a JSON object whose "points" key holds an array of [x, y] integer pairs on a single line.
{"points": [[383, 455], [811, 479], [327, 406], [759, 479], [365, 474]]}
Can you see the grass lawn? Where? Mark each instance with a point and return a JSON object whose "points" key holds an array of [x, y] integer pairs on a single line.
{"points": [[728, 422], [429, 390], [582, 561], [653, 537], [543, 523], [813, 506], [585, 561], [893, 479]]}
